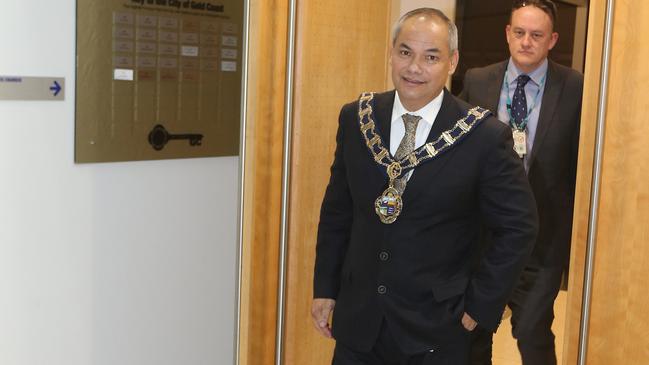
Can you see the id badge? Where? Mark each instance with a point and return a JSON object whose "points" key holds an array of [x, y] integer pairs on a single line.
{"points": [[520, 142]]}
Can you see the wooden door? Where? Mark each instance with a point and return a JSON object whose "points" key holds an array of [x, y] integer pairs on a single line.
{"points": [[341, 51], [618, 325]]}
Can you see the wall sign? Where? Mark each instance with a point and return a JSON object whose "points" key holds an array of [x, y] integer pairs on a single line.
{"points": [[32, 88]]}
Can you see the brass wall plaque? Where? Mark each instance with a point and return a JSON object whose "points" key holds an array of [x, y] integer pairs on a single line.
{"points": [[158, 79]]}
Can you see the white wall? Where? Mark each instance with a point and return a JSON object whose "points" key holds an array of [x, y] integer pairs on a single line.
{"points": [[116, 263]]}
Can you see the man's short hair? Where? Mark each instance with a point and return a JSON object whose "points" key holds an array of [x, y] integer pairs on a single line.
{"points": [[547, 6], [430, 13]]}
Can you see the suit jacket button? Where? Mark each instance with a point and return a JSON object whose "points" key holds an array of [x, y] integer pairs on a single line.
{"points": [[384, 256], [382, 289]]}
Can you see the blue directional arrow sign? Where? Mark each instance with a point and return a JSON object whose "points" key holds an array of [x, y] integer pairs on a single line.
{"points": [[32, 88], [56, 88]]}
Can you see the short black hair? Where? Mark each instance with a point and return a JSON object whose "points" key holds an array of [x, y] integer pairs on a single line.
{"points": [[547, 6]]}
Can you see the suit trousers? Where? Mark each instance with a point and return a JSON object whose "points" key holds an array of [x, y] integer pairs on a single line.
{"points": [[386, 351], [532, 305]]}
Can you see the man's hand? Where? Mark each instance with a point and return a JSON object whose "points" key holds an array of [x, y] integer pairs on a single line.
{"points": [[468, 322], [320, 311]]}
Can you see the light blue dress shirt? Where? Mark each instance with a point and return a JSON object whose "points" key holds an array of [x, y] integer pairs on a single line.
{"points": [[533, 94]]}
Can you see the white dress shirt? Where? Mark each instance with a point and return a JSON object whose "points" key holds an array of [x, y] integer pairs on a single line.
{"points": [[397, 128]]}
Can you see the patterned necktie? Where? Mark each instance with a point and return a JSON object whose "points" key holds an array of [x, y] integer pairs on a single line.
{"points": [[519, 101], [406, 146]]}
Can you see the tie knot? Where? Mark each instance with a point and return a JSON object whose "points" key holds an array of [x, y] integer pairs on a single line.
{"points": [[522, 80], [410, 122]]}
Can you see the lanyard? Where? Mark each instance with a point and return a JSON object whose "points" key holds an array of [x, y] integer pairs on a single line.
{"points": [[523, 124]]}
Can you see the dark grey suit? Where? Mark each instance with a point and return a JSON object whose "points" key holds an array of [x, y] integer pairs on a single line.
{"points": [[552, 170]]}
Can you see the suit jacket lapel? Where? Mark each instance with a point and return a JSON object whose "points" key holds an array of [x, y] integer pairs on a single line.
{"points": [[551, 94], [448, 114], [494, 86], [446, 117], [383, 104]]}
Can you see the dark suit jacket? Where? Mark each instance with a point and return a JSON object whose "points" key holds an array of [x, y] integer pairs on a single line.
{"points": [[423, 260], [553, 159]]}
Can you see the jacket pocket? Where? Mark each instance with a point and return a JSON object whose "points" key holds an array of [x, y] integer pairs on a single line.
{"points": [[450, 289]]}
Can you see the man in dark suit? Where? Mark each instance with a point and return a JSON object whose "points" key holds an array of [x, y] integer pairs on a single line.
{"points": [[541, 102], [415, 173]]}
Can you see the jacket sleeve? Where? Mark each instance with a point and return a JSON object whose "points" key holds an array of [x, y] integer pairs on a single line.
{"points": [[335, 220], [509, 212]]}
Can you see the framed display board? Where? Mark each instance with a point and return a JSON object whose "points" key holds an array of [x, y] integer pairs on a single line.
{"points": [[158, 79]]}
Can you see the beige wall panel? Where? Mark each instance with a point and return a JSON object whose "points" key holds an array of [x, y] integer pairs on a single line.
{"points": [[619, 329], [262, 194], [596, 18], [341, 51]]}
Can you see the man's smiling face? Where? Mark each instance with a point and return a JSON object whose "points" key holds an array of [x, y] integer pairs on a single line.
{"points": [[421, 61]]}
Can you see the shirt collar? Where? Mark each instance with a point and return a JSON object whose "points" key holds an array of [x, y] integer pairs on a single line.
{"points": [[536, 76], [428, 112]]}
